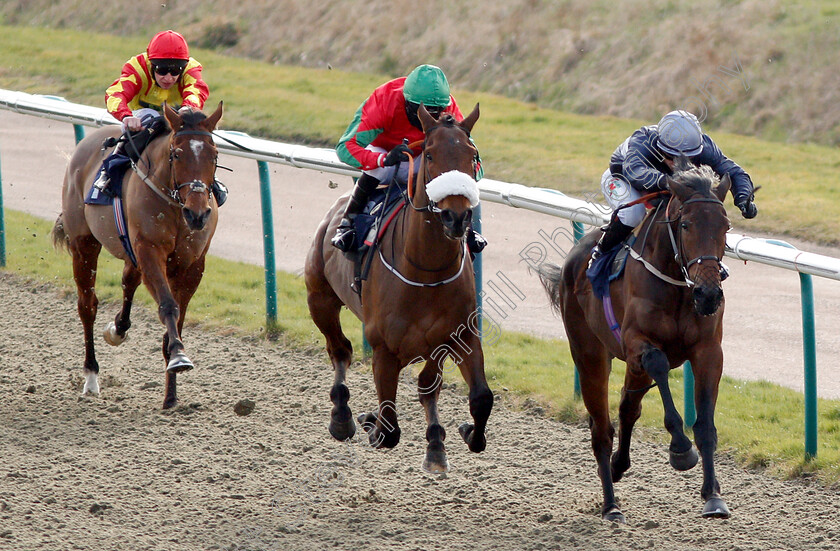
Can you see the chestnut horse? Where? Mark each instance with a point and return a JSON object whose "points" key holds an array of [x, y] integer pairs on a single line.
{"points": [[418, 303], [170, 219], [669, 303]]}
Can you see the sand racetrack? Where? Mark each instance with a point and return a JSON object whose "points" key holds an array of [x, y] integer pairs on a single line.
{"points": [[115, 472]]}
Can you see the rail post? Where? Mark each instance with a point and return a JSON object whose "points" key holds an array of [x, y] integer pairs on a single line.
{"points": [[268, 249]]}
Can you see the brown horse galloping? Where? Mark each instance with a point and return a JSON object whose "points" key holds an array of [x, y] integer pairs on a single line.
{"points": [[419, 301], [670, 306], [170, 219]]}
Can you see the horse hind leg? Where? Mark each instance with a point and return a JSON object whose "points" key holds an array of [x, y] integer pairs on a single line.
{"points": [[428, 388], [683, 456], [85, 253], [116, 331], [382, 426], [325, 307]]}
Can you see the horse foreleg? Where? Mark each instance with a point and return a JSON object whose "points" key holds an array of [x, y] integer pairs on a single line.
{"points": [[85, 252], [115, 331], [683, 456], [185, 288], [382, 426], [707, 373], [629, 411], [325, 309], [428, 387], [481, 397]]}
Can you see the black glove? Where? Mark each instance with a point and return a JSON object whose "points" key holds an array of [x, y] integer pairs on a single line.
{"points": [[396, 155], [747, 206]]}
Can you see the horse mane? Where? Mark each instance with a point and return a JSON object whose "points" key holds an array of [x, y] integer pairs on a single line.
{"points": [[700, 179]]}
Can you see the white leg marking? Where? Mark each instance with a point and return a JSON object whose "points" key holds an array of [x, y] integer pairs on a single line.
{"points": [[91, 383]]}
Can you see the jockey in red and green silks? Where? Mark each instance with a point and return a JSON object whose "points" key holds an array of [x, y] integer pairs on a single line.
{"points": [[374, 140]]}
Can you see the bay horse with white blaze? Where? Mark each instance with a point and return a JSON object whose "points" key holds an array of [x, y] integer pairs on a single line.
{"points": [[419, 301], [669, 304], [170, 219]]}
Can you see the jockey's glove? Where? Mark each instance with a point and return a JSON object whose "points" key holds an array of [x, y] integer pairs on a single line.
{"points": [[396, 155], [747, 205]]}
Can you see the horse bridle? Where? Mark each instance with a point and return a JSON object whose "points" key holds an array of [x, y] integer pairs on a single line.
{"points": [[677, 244], [196, 186], [432, 206]]}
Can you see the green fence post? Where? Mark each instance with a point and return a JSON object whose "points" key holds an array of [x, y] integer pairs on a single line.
{"points": [[809, 352], [79, 131], [689, 411], [577, 228], [477, 266], [268, 248]]}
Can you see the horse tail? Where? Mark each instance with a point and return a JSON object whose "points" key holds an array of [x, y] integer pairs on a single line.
{"points": [[59, 236], [551, 277]]}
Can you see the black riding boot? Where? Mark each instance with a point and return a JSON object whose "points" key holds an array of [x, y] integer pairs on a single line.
{"points": [[345, 233], [614, 233]]}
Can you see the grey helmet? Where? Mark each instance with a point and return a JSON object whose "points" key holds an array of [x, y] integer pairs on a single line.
{"points": [[680, 134]]}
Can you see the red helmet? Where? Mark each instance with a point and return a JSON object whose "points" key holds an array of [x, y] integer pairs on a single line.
{"points": [[168, 45]]}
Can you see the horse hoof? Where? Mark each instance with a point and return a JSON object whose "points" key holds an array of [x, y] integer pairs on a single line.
{"points": [[367, 421], [111, 336], [342, 426], [467, 432], [614, 515], [178, 363], [91, 384], [685, 460], [715, 508], [434, 463]]}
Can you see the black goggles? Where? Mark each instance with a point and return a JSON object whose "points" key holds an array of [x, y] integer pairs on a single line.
{"points": [[174, 70]]}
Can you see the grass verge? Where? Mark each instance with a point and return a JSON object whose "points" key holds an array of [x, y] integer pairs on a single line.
{"points": [[519, 141], [761, 424]]}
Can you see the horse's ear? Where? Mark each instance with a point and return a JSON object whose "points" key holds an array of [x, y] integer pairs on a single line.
{"points": [[723, 187], [469, 122], [677, 188], [172, 117], [426, 120], [213, 119]]}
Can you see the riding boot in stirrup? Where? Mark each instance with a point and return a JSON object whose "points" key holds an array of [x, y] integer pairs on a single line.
{"points": [[102, 179], [345, 233], [614, 233]]}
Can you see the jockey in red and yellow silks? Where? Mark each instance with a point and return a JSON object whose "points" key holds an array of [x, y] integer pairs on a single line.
{"points": [[164, 72], [138, 86]]}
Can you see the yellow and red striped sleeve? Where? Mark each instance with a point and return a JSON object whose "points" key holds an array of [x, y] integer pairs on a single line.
{"points": [[132, 80]]}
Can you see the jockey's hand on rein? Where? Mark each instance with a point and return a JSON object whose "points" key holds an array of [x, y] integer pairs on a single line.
{"points": [[396, 155]]}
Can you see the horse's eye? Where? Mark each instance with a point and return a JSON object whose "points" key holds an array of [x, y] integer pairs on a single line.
{"points": [[177, 152], [684, 225], [428, 156]]}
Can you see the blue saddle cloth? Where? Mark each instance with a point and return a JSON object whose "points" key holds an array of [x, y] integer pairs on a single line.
{"points": [[608, 268], [375, 213], [115, 166]]}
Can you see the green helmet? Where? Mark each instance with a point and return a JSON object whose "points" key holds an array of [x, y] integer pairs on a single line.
{"points": [[427, 85]]}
